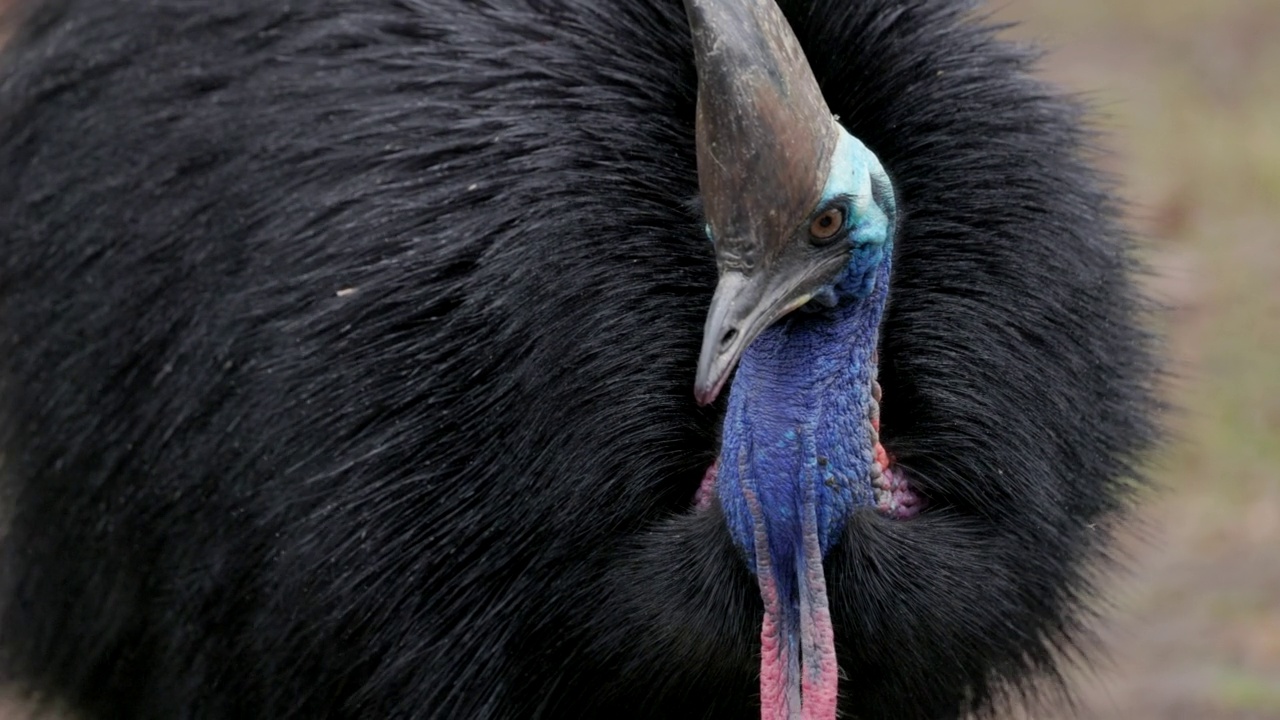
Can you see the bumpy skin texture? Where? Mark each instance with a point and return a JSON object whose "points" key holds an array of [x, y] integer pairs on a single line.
{"points": [[346, 355]]}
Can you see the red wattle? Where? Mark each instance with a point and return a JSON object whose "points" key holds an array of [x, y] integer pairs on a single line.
{"points": [[779, 691], [821, 671], [802, 684]]}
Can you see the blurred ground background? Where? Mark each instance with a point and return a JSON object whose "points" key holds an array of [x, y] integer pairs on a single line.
{"points": [[1188, 92]]}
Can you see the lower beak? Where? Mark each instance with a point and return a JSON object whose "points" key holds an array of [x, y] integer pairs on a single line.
{"points": [[741, 308]]}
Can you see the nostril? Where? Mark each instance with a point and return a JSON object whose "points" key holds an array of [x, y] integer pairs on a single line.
{"points": [[728, 337]]}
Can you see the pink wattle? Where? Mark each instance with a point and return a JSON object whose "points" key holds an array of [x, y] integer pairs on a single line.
{"points": [[817, 637], [805, 686], [779, 693], [707, 490]]}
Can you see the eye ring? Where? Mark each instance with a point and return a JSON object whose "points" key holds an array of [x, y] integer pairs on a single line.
{"points": [[827, 225]]}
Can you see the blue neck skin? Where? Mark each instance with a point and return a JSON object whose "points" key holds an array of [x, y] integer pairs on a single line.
{"points": [[796, 432]]}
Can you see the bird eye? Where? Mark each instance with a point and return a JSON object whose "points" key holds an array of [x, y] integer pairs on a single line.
{"points": [[826, 226]]}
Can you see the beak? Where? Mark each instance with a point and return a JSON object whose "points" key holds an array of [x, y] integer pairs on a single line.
{"points": [[742, 307]]}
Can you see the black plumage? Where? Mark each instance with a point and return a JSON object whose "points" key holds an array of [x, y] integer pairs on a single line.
{"points": [[347, 350]]}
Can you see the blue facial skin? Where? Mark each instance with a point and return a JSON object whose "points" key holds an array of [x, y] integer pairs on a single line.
{"points": [[796, 432]]}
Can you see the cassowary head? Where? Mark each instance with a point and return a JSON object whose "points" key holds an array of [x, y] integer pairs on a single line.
{"points": [[802, 216]]}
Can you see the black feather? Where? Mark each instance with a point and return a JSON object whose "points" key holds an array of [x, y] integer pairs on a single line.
{"points": [[347, 351]]}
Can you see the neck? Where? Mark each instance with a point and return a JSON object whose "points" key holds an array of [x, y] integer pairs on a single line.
{"points": [[795, 462], [797, 423]]}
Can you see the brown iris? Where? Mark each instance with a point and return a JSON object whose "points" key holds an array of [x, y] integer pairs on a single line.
{"points": [[827, 225]]}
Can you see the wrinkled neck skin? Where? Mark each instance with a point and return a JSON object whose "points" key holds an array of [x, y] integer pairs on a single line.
{"points": [[796, 460], [797, 429]]}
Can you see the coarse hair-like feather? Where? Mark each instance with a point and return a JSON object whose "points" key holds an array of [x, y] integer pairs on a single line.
{"points": [[347, 351]]}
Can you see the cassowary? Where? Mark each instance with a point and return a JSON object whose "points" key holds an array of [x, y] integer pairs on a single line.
{"points": [[551, 358]]}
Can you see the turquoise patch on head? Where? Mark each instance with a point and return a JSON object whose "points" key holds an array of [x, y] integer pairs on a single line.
{"points": [[856, 174]]}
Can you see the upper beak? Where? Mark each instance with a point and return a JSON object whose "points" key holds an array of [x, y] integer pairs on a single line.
{"points": [[741, 308]]}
